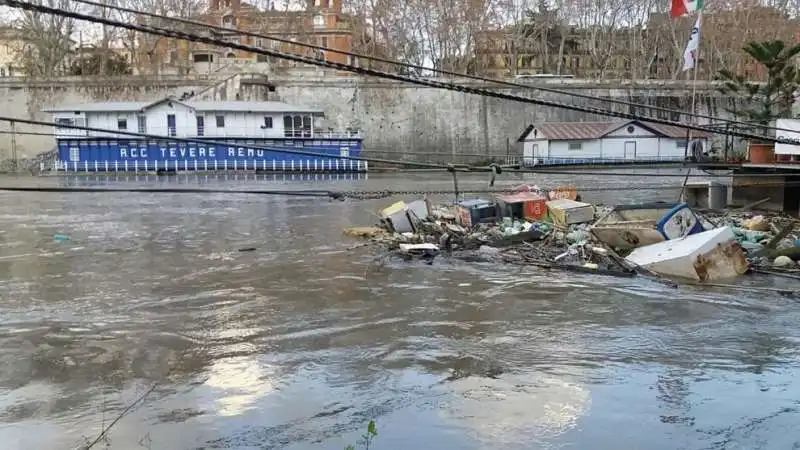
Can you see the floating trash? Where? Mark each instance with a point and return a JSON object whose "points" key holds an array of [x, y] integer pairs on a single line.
{"points": [[60, 237]]}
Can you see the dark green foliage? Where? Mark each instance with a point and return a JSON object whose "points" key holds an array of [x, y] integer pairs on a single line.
{"points": [[766, 101]]}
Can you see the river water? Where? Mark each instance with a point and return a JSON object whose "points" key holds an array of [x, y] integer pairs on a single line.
{"points": [[299, 343]]}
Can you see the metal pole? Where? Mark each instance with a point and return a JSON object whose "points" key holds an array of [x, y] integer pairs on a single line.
{"points": [[13, 146], [694, 101]]}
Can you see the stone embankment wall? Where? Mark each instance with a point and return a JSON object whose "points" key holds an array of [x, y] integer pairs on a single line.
{"points": [[396, 118], [420, 121]]}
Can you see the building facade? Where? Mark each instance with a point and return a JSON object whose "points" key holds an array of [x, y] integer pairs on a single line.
{"points": [[200, 135], [322, 23], [605, 142], [650, 50]]}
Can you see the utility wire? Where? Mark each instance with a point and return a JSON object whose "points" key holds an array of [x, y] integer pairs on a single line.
{"points": [[362, 194], [304, 193], [292, 151], [424, 68], [391, 150], [380, 150], [556, 168], [372, 72], [457, 167]]}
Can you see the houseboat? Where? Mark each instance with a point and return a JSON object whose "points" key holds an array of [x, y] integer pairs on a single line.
{"points": [[201, 136], [617, 142]]}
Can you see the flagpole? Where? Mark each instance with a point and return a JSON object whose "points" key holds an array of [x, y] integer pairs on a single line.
{"points": [[694, 105], [694, 75]]}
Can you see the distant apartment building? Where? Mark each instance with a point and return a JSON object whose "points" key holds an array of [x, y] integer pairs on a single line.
{"points": [[653, 50], [562, 50], [321, 23]]}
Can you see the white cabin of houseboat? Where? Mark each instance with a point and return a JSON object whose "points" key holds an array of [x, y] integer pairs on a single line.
{"points": [[174, 118]]}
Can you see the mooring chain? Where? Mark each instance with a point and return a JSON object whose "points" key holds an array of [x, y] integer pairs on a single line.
{"points": [[372, 195]]}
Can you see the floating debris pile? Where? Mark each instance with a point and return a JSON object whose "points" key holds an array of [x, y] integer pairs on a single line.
{"points": [[771, 240], [553, 230]]}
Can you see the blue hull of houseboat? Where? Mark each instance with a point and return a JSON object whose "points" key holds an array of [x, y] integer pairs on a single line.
{"points": [[115, 155]]}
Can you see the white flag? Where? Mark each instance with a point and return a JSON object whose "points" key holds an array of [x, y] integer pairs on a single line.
{"points": [[690, 54]]}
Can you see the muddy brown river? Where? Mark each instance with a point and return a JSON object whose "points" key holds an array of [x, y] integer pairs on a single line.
{"points": [[299, 343]]}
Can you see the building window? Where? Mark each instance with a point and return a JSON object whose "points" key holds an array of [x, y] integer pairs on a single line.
{"points": [[220, 121], [575, 146], [122, 124], [228, 21], [319, 21], [203, 57], [141, 123], [323, 41], [267, 122]]}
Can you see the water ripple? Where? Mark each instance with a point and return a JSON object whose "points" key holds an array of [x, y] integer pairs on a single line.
{"points": [[298, 343]]}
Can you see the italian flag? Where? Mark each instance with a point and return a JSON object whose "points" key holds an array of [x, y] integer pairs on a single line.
{"points": [[683, 7]]}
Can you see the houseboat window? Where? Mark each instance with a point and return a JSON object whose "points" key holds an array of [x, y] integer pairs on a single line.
{"points": [[267, 122], [220, 121], [201, 125], [63, 121], [575, 146], [680, 144], [297, 126], [74, 154], [141, 123], [122, 124]]}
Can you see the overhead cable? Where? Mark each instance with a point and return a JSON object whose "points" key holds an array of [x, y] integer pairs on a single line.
{"points": [[512, 168], [372, 72], [362, 194], [292, 151], [429, 69]]}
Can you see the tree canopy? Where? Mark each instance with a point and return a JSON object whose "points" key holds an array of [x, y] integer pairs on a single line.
{"points": [[766, 101]]}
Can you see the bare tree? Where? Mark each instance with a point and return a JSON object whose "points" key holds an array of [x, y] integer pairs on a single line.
{"points": [[46, 40], [386, 28], [150, 53], [598, 22]]}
